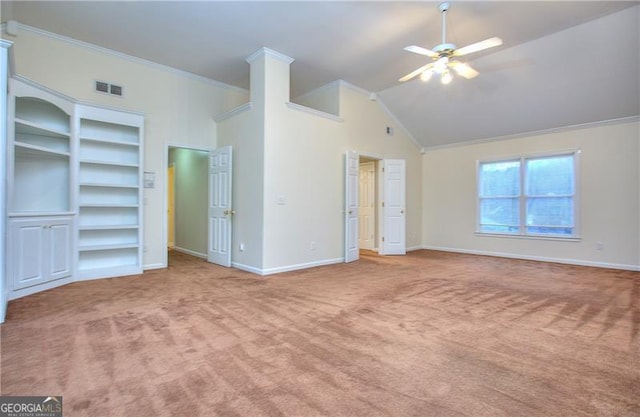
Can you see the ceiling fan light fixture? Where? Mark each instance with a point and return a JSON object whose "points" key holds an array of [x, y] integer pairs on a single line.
{"points": [[441, 54], [426, 75], [441, 64], [463, 69], [446, 77]]}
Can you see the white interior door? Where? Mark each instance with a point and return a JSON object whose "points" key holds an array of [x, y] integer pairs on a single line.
{"points": [[220, 211], [352, 168], [367, 206], [394, 216]]}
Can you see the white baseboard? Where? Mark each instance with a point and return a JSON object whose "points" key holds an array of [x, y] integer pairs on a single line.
{"points": [[38, 288], [412, 248], [153, 266], [247, 268], [190, 252], [287, 268], [578, 262], [295, 267]]}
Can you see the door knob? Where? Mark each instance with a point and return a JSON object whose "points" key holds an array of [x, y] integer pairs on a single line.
{"points": [[350, 211], [227, 212], [401, 211]]}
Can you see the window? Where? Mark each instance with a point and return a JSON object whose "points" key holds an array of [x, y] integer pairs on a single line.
{"points": [[531, 196]]}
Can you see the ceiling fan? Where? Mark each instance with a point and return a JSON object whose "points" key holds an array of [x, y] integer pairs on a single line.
{"points": [[441, 54]]}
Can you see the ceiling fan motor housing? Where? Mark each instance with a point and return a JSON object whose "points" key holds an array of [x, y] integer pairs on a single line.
{"points": [[444, 49]]}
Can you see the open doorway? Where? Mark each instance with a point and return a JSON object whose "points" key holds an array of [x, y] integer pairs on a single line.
{"points": [[383, 217], [368, 206], [187, 200]]}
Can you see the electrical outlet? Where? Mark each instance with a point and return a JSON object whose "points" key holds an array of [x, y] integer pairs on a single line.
{"points": [[599, 246], [241, 247], [313, 246]]}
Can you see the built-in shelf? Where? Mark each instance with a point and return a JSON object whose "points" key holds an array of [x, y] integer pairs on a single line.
{"points": [[89, 248], [40, 159], [112, 141], [109, 194], [25, 148], [108, 205], [98, 162], [30, 128], [96, 184], [40, 213], [108, 227]]}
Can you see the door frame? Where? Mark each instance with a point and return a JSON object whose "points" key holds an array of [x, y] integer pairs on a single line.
{"points": [[380, 212], [165, 192], [171, 187], [376, 198]]}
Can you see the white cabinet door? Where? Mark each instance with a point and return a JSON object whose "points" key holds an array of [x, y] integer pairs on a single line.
{"points": [[26, 253], [39, 251], [58, 249]]}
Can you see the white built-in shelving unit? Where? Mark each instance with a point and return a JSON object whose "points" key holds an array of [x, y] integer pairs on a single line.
{"points": [[75, 190], [110, 193], [40, 204]]}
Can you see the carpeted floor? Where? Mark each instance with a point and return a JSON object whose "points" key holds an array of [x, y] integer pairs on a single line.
{"points": [[427, 334]]}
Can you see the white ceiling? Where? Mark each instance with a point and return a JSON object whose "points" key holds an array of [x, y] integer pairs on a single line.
{"points": [[554, 68]]}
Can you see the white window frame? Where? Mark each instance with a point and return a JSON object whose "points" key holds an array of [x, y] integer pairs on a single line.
{"points": [[522, 233]]}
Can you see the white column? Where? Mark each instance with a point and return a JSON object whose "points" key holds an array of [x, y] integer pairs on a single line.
{"points": [[4, 75]]}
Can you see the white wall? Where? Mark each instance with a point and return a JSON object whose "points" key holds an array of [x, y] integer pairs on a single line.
{"points": [[609, 196], [179, 108], [303, 194], [244, 132], [325, 98], [365, 123]]}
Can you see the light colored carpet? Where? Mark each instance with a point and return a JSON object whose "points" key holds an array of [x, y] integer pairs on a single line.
{"points": [[427, 334]]}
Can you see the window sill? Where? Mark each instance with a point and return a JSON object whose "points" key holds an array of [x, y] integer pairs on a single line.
{"points": [[533, 237]]}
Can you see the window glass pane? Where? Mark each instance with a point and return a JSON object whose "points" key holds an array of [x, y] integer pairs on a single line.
{"points": [[489, 228], [549, 211], [549, 176], [539, 230], [499, 212], [499, 179]]}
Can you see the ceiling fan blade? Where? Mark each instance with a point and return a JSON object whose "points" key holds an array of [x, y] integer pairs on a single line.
{"points": [[416, 72], [463, 69], [478, 46], [421, 51]]}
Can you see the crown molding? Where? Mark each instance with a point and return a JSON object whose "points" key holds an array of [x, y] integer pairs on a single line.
{"points": [[233, 112], [621, 120], [130, 58], [328, 86], [315, 112], [264, 51], [353, 87]]}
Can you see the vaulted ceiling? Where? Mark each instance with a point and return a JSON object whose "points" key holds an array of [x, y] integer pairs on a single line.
{"points": [[562, 63]]}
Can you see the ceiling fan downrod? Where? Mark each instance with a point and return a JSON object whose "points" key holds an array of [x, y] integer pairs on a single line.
{"points": [[444, 49]]}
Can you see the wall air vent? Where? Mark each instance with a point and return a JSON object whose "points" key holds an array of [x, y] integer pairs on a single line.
{"points": [[112, 89], [116, 90], [102, 87]]}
